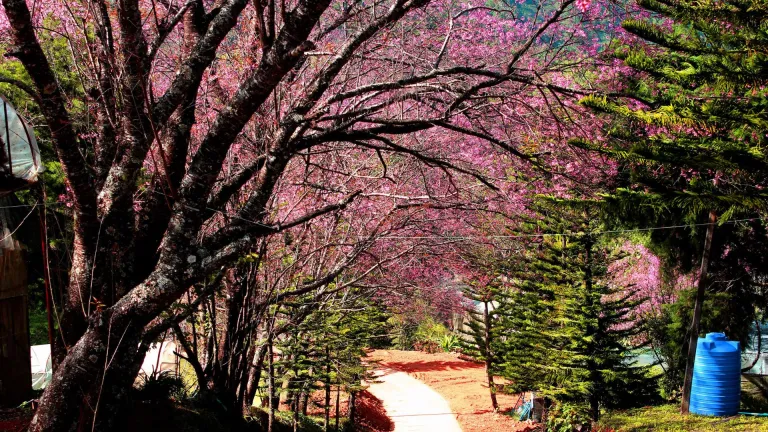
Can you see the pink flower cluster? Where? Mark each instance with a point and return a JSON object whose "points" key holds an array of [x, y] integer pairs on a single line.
{"points": [[583, 5]]}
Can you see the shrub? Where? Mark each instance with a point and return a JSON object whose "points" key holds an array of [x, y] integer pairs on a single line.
{"points": [[427, 346], [426, 335], [568, 417], [430, 329], [403, 332], [159, 386], [449, 342]]}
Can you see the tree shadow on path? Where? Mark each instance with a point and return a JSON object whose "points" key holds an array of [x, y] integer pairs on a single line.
{"points": [[426, 366]]}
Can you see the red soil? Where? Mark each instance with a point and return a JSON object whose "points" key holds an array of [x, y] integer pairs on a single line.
{"points": [[462, 383], [370, 412], [372, 415], [14, 420], [317, 401]]}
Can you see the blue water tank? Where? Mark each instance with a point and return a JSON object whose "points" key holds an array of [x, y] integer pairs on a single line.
{"points": [[716, 386]]}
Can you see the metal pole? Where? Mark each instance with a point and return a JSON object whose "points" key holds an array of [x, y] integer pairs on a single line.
{"points": [[46, 271], [694, 330]]}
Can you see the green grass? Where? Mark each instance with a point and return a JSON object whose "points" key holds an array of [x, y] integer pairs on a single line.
{"points": [[668, 418]]}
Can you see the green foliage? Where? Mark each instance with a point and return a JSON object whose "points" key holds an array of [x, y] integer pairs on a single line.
{"points": [[326, 346], [159, 387], [481, 330], [429, 329], [403, 332], [423, 334], [689, 135], [429, 335], [529, 309], [38, 326], [568, 417], [449, 342], [690, 129], [569, 332]]}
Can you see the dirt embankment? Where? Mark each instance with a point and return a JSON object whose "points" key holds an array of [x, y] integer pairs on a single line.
{"points": [[370, 413], [462, 383], [373, 416]]}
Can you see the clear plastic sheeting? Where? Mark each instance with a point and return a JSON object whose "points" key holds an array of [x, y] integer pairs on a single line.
{"points": [[20, 161], [42, 372], [161, 357], [13, 270]]}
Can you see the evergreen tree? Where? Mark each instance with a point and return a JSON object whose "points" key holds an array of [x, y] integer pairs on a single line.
{"points": [[690, 130], [571, 331], [326, 348], [528, 310], [594, 334], [481, 332]]}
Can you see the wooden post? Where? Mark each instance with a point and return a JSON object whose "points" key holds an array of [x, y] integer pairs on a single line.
{"points": [[694, 330]]}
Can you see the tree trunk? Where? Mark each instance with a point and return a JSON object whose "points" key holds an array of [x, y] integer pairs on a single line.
{"points": [[352, 409], [304, 402], [191, 354], [254, 376], [115, 389], [592, 336], [327, 385], [271, 382], [759, 348], [694, 330], [296, 408], [594, 408], [284, 396], [108, 361], [489, 357], [338, 402]]}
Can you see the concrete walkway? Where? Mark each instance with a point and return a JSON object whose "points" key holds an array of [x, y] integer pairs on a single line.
{"points": [[411, 404]]}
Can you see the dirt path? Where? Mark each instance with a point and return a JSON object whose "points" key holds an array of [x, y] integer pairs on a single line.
{"points": [[412, 405], [461, 383]]}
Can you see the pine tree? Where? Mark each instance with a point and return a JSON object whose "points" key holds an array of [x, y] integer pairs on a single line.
{"points": [[347, 335], [527, 313], [594, 334], [691, 126], [299, 359], [481, 332], [326, 348], [570, 331]]}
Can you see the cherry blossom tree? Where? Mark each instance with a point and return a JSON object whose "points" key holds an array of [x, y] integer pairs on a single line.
{"points": [[202, 128]]}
